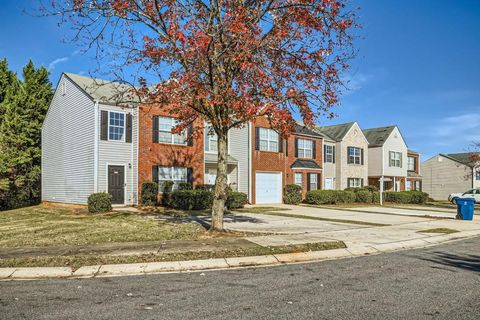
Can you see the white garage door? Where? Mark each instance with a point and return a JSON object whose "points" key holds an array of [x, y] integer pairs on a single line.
{"points": [[268, 187]]}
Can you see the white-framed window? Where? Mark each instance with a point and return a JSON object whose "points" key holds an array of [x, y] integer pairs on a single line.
{"points": [[354, 155], [211, 140], [329, 153], [411, 163], [175, 174], [305, 148], [299, 179], [354, 182], [395, 159], [408, 185], [268, 140], [116, 126], [313, 181], [165, 135]]}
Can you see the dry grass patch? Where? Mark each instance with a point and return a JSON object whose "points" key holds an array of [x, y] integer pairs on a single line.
{"points": [[439, 230], [56, 225]]}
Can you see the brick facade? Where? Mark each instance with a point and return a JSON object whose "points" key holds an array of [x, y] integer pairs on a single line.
{"points": [[161, 154], [267, 161]]}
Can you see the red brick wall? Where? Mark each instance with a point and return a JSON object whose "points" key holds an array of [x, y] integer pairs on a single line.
{"points": [[279, 161], [151, 154]]}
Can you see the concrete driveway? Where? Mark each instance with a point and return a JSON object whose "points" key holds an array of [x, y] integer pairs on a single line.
{"points": [[390, 226]]}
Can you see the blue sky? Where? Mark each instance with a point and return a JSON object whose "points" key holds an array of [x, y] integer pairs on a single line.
{"points": [[418, 66]]}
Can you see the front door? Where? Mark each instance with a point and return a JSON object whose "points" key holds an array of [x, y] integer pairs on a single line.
{"points": [[116, 184]]}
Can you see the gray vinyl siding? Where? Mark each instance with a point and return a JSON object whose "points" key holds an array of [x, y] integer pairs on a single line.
{"points": [[68, 147], [119, 153], [239, 142], [442, 176]]}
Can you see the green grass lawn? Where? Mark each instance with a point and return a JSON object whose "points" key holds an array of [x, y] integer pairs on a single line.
{"points": [[52, 226]]}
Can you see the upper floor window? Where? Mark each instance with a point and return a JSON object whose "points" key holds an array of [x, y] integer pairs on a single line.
{"points": [[305, 148], [116, 126], [268, 140], [329, 154], [165, 135], [411, 163], [477, 176], [354, 155], [298, 179], [395, 159], [211, 140]]}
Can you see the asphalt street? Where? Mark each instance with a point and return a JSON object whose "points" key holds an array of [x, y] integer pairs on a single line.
{"points": [[441, 282]]}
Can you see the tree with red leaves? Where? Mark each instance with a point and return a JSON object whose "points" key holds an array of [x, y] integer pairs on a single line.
{"points": [[226, 62]]}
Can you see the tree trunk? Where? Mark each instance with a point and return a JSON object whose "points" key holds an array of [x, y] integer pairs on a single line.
{"points": [[220, 183]]}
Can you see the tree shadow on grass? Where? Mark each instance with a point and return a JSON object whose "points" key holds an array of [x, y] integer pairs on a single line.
{"points": [[205, 221], [466, 262]]}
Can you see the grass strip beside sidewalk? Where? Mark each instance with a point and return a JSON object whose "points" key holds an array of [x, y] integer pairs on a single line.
{"points": [[78, 261]]}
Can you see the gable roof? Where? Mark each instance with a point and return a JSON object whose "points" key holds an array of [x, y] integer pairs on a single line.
{"points": [[110, 92], [336, 132], [305, 131], [377, 136], [463, 158]]}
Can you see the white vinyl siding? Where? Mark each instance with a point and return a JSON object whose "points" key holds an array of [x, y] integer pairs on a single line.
{"points": [[268, 140], [239, 140], [305, 148], [165, 135], [119, 153], [68, 135]]}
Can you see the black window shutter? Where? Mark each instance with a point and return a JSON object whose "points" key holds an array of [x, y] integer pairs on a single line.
{"points": [[280, 144], [324, 153], [190, 135], [257, 138], [286, 147], [128, 135], [190, 175], [103, 125], [296, 147], [363, 156], [333, 148], [319, 182], [349, 182], [349, 160], [362, 183], [155, 174], [309, 176], [155, 129], [314, 149]]}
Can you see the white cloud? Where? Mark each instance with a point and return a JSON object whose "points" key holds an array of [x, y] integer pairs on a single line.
{"points": [[52, 64]]}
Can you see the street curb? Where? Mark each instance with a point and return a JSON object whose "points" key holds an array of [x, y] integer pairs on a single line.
{"points": [[38, 273]]}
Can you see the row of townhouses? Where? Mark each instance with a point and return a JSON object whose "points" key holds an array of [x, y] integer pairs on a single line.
{"points": [[92, 143]]}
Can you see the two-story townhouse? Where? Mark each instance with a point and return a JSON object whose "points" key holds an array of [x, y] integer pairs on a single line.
{"points": [[387, 154], [414, 178], [345, 156], [277, 162], [165, 156], [89, 142]]}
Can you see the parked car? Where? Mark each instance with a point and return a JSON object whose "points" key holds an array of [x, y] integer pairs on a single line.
{"points": [[473, 193]]}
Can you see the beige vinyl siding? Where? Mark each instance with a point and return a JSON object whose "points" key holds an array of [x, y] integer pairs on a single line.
{"points": [[329, 169], [119, 153], [443, 176], [395, 143], [68, 146]]}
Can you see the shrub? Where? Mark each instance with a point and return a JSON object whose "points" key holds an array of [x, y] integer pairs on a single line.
{"points": [[185, 186], [293, 194], [149, 193], [236, 200], [100, 202], [321, 197], [376, 197], [167, 187], [406, 197], [346, 196], [371, 188], [192, 199], [419, 197], [364, 196], [208, 187]]}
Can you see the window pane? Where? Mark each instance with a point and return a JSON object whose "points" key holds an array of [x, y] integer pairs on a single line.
{"points": [[116, 126], [298, 179], [165, 137], [263, 134], [164, 173], [179, 138], [274, 146], [264, 145]]}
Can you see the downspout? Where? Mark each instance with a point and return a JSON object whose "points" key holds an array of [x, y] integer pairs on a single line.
{"points": [[249, 162], [132, 167], [95, 150]]}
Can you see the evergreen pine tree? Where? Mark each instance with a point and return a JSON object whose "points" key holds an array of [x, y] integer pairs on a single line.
{"points": [[6, 79]]}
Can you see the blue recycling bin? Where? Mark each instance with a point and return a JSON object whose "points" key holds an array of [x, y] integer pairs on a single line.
{"points": [[465, 208]]}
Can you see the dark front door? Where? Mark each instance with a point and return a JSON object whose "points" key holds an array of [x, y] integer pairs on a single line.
{"points": [[116, 184]]}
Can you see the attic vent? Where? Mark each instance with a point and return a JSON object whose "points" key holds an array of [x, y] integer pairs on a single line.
{"points": [[395, 136], [64, 87], [440, 159]]}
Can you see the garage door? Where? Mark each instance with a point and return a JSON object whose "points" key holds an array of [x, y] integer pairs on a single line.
{"points": [[268, 187]]}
